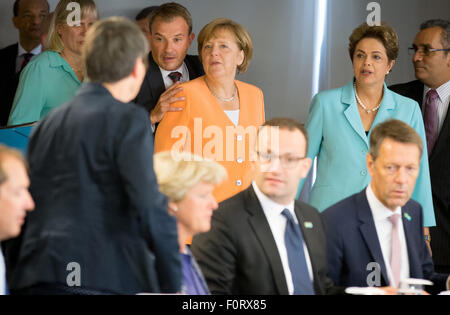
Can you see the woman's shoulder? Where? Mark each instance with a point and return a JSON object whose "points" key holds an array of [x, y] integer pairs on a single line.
{"points": [[45, 59], [400, 99], [194, 84], [331, 93]]}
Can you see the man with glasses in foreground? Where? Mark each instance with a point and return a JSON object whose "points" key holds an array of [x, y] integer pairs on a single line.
{"points": [[431, 59], [262, 241]]}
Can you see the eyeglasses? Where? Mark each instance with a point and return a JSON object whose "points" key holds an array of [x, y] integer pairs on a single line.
{"points": [[286, 161], [424, 50]]}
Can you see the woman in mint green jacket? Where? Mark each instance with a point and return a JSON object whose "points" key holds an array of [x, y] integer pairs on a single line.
{"points": [[53, 77], [340, 122]]}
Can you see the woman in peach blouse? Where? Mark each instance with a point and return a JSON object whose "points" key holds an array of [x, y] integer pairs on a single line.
{"points": [[220, 115]]}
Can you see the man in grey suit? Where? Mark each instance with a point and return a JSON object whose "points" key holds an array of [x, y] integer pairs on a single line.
{"points": [[263, 241], [169, 65], [431, 90]]}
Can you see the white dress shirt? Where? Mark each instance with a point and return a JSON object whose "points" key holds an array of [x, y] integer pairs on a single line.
{"points": [[233, 115], [21, 52], [2, 274], [383, 226], [277, 223], [441, 102], [168, 81]]}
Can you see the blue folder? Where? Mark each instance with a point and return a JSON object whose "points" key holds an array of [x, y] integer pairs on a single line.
{"points": [[16, 136]]}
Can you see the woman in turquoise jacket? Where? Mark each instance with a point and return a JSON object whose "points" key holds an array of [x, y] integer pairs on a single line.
{"points": [[53, 77], [340, 122]]}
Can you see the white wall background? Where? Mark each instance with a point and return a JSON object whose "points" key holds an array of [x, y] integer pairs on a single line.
{"points": [[283, 33]]}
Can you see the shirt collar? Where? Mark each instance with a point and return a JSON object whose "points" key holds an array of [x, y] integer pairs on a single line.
{"points": [[270, 207], [443, 91], [379, 210], [182, 69], [35, 51]]}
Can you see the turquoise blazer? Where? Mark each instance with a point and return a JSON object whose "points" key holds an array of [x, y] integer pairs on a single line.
{"points": [[338, 139], [45, 83]]}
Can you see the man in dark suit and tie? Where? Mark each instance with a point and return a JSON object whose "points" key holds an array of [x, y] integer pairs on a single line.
{"points": [[374, 238], [101, 225], [169, 65], [431, 90], [263, 241], [15, 200], [29, 16]]}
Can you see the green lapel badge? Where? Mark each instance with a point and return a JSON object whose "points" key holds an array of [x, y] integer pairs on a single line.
{"points": [[407, 216], [308, 225]]}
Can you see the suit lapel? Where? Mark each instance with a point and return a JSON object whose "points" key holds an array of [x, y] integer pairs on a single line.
{"points": [[309, 236], [154, 79], [369, 232], [444, 135], [409, 229], [387, 105], [352, 113], [260, 226]]}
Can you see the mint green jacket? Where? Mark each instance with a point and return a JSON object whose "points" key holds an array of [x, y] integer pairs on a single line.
{"points": [[45, 83], [338, 139]]}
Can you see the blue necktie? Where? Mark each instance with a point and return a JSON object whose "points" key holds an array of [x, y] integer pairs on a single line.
{"points": [[6, 288], [296, 256]]}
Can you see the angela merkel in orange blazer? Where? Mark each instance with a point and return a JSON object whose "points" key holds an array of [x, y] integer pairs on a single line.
{"points": [[220, 115]]}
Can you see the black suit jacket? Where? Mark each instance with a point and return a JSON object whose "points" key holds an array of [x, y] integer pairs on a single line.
{"points": [[97, 202], [353, 244], [239, 254], [439, 161], [8, 80], [153, 85]]}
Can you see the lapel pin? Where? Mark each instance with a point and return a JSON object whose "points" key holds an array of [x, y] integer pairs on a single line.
{"points": [[407, 216], [308, 225]]}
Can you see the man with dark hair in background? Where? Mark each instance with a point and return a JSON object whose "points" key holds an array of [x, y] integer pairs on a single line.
{"points": [[28, 18], [169, 65], [431, 59], [99, 212], [143, 21]]}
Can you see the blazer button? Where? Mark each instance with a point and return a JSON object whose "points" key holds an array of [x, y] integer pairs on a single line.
{"points": [[363, 173], [238, 182]]}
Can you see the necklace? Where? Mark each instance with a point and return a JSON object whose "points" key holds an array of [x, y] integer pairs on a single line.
{"points": [[222, 98], [368, 111]]}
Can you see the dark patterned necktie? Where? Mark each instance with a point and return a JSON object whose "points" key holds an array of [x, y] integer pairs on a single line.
{"points": [[430, 119], [26, 59], [175, 76]]}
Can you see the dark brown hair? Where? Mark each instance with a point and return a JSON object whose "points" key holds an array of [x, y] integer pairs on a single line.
{"points": [[396, 130], [169, 11], [289, 124], [384, 33]]}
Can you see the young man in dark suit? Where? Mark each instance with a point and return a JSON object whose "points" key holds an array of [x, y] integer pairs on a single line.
{"points": [[262, 241], [374, 238], [29, 16], [431, 90], [169, 65], [101, 225]]}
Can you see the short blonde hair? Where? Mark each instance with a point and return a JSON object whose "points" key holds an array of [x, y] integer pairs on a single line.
{"points": [[243, 39], [54, 41], [5, 152], [384, 33], [178, 172]]}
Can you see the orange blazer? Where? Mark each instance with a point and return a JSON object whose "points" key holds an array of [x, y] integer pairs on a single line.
{"points": [[203, 128]]}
